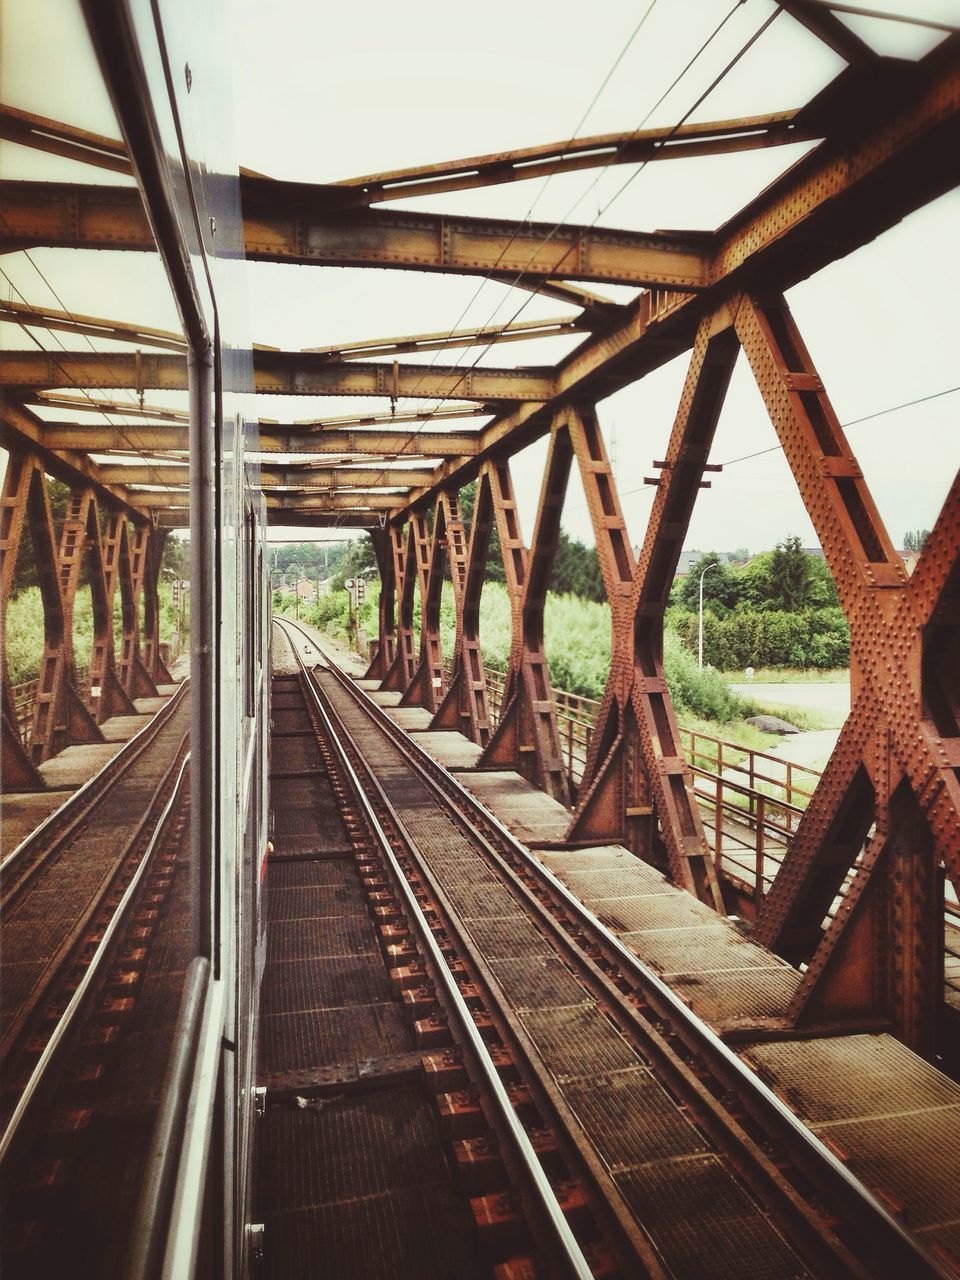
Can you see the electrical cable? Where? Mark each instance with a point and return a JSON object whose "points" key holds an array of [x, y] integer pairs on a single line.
{"points": [[729, 66], [118, 427]]}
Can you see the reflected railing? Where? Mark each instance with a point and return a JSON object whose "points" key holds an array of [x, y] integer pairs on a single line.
{"points": [[24, 701]]}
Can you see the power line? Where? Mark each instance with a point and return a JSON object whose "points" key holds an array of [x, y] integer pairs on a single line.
{"points": [[537, 198], [546, 240], [119, 427], [777, 448], [855, 422]]}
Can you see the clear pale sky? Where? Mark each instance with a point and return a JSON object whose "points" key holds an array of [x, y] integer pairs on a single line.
{"points": [[332, 91]]}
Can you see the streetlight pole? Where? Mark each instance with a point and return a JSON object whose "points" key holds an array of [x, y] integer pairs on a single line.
{"points": [[706, 569]]}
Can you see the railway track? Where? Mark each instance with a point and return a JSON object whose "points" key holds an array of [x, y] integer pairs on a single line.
{"points": [[81, 905], [685, 1162]]}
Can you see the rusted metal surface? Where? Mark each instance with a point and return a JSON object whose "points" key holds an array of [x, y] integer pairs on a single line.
{"points": [[887, 141], [543, 999], [892, 779], [277, 373]]}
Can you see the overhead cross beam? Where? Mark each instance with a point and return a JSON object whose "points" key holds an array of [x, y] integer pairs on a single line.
{"points": [[103, 437], [639, 146], [283, 223], [302, 476], [353, 500], [478, 336], [843, 194], [275, 373], [90, 326]]}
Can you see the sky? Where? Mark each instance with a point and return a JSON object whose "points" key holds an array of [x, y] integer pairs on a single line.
{"points": [[327, 92]]}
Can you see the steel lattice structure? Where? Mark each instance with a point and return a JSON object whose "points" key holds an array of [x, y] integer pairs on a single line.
{"points": [[887, 137]]}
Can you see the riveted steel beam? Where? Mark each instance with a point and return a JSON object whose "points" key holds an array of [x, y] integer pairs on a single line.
{"points": [[276, 373], [303, 477], [91, 326], [285, 222], [387, 544], [43, 134], [639, 146], [106, 438], [891, 787], [349, 500], [282, 224], [465, 707], [527, 738], [21, 430], [308, 518], [410, 553], [442, 340], [447, 547]]}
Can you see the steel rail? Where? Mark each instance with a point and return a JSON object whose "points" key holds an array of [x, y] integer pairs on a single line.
{"points": [[69, 1017], [575, 1261], [67, 946], [80, 802], [811, 1237], [908, 1252], [159, 1180]]}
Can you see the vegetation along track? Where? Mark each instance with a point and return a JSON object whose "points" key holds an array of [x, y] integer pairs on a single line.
{"points": [[677, 1136]]}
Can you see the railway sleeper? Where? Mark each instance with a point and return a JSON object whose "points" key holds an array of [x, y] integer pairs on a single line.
{"points": [[463, 1117], [639, 1021]]}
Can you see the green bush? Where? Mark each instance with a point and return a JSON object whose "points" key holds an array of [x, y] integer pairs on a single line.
{"points": [[774, 638], [704, 692]]}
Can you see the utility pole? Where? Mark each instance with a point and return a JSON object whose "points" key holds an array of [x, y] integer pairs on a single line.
{"points": [[700, 624]]}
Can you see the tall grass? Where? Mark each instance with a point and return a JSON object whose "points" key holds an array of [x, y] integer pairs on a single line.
{"points": [[577, 641], [24, 629]]}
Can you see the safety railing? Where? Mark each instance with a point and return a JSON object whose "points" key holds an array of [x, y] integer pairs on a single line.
{"points": [[751, 801], [758, 770], [24, 701], [576, 716]]}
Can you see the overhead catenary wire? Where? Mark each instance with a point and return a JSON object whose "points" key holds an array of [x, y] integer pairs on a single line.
{"points": [[854, 422], [488, 275], [777, 448], [560, 223], [552, 233], [117, 426]]}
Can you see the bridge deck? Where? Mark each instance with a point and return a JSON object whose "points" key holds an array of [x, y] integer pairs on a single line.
{"points": [[888, 1114], [23, 811]]}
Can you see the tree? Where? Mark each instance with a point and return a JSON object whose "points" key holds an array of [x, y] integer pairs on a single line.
{"points": [[789, 576], [914, 539], [720, 586], [576, 569]]}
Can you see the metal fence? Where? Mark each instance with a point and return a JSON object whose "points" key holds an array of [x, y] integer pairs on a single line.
{"points": [[751, 801]]}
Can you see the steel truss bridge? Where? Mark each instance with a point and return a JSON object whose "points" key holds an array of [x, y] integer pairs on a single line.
{"points": [[881, 830]]}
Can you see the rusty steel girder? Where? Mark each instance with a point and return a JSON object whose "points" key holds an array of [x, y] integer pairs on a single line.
{"points": [[132, 570], [81, 546], [283, 223], [276, 373], [526, 738], [409, 551], [101, 437], [446, 550], [891, 786], [387, 546], [465, 706], [60, 716]]}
